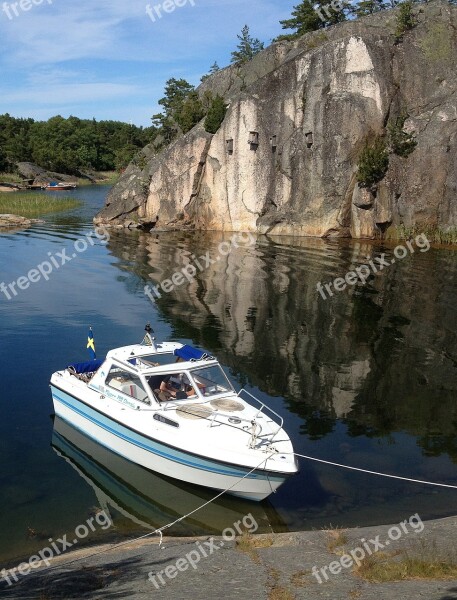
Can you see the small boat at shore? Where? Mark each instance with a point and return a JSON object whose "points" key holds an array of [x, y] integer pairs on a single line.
{"points": [[58, 186], [170, 408]]}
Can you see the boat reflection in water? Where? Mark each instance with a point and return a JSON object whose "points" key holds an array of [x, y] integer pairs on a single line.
{"points": [[150, 500]]}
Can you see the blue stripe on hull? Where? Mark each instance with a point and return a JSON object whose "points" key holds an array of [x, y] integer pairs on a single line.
{"points": [[152, 446]]}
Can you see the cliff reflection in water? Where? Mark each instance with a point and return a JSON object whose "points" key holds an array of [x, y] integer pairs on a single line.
{"points": [[380, 358]]}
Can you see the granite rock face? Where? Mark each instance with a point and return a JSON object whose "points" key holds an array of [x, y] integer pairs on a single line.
{"points": [[285, 158]]}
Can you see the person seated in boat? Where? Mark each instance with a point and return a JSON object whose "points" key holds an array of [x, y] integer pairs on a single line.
{"points": [[171, 386]]}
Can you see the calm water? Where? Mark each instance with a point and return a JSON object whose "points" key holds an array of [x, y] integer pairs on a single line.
{"points": [[368, 377]]}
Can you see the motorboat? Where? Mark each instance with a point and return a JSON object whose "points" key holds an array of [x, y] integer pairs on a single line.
{"points": [[171, 408], [59, 186], [147, 500]]}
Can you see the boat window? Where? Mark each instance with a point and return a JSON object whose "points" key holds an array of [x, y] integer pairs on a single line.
{"points": [[127, 383], [211, 380]]}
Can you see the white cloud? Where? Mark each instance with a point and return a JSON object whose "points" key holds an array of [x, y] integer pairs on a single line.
{"points": [[71, 54]]}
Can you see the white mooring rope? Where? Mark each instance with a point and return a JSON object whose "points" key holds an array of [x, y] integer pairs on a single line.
{"points": [[334, 464]]}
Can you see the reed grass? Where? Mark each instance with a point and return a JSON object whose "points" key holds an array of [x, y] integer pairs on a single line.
{"points": [[336, 539], [107, 177], [32, 204], [376, 569], [425, 561], [434, 234], [10, 178]]}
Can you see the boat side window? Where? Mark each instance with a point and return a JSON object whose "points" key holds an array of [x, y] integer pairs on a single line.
{"points": [[127, 383]]}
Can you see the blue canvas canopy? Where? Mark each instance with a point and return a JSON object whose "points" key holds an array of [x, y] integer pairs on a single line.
{"points": [[86, 367], [190, 353]]}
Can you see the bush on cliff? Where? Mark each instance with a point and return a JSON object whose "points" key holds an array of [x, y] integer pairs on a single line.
{"points": [[190, 113], [406, 19], [216, 114], [373, 163]]}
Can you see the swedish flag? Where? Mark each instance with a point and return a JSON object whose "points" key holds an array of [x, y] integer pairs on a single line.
{"points": [[91, 344]]}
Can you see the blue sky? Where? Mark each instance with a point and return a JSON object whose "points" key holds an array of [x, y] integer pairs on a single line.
{"points": [[107, 59]]}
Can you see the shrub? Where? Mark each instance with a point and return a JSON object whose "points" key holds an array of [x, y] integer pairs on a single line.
{"points": [[406, 19], [373, 163]]}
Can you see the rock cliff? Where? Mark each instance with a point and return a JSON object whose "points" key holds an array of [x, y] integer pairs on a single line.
{"points": [[285, 159]]}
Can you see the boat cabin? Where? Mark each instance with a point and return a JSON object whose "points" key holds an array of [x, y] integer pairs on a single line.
{"points": [[139, 375]]}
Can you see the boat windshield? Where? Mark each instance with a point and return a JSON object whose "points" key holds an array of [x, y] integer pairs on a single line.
{"points": [[211, 381]]}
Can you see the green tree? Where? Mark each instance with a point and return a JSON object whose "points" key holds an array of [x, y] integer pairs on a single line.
{"points": [[213, 69], [368, 7], [69, 145], [181, 109], [176, 91], [123, 156], [216, 114], [311, 16], [406, 19], [190, 113], [247, 48], [3, 161]]}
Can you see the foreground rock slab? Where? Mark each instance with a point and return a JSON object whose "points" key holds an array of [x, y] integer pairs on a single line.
{"points": [[266, 567]]}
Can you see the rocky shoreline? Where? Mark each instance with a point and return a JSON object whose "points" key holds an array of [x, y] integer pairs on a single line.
{"points": [[9, 221], [263, 567]]}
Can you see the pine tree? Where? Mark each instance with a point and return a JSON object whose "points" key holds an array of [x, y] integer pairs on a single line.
{"points": [[247, 48], [182, 109], [406, 19], [308, 16], [3, 161], [214, 68], [368, 7]]}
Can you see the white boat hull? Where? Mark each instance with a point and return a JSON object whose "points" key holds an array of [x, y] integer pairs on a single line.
{"points": [[162, 458]]}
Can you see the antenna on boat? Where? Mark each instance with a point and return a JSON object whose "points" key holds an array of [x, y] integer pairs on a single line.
{"points": [[148, 339]]}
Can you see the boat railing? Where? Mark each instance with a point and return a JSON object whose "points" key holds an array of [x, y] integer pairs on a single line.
{"points": [[264, 407], [219, 417]]}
